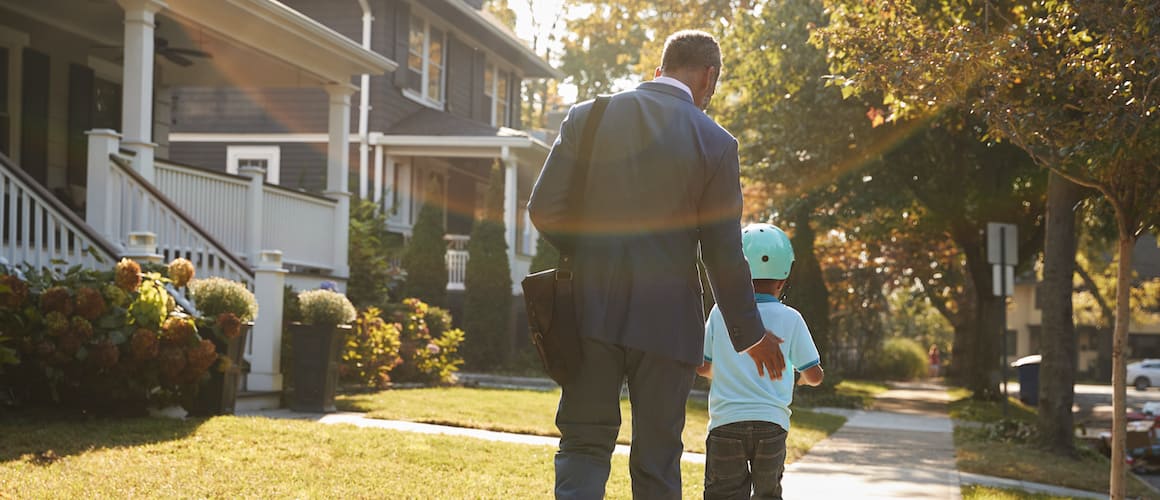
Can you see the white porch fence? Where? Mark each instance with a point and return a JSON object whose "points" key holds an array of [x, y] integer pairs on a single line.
{"points": [[40, 231], [247, 215], [456, 260], [139, 206]]}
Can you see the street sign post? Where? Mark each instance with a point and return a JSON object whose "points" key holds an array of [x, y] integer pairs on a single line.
{"points": [[1003, 254]]}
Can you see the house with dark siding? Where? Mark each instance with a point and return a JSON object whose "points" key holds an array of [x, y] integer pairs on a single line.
{"points": [[426, 133]]}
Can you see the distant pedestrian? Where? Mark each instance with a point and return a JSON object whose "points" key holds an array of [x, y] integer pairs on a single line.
{"points": [[934, 359], [748, 413]]}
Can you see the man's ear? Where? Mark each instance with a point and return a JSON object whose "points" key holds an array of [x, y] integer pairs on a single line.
{"points": [[657, 73]]}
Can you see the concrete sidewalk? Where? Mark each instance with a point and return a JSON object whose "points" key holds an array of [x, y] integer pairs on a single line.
{"points": [[903, 448]]}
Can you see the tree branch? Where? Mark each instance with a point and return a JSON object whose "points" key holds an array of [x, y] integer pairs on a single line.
{"points": [[1095, 291]]}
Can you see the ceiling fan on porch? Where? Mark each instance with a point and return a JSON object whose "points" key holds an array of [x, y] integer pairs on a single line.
{"points": [[176, 55]]}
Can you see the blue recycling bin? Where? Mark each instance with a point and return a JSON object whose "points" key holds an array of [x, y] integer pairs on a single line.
{"points": [[1028, 370]]}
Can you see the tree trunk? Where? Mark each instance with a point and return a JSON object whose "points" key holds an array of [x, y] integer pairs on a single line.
{"points": [[1058, 345], [982, 370], [1119, 369], [807, 292], [961, 350]]}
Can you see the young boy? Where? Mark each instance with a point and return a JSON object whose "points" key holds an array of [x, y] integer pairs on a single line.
{"points": [[749, 414]]}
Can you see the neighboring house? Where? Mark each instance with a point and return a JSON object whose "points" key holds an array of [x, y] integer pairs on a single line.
{"points": [[429, 132], [1024, 321], [85, 109]]}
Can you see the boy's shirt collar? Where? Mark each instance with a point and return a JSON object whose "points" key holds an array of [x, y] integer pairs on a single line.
{"points": [[765, 297]]}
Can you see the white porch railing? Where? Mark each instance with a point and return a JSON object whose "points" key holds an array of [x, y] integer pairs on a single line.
{"points": [[247, 215], [137, 206], [40, 231], [456, 260], [301, 225], [215, 201]]}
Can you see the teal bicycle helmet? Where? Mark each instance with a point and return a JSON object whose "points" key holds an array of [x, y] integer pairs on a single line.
{"points": [[768, 250]]}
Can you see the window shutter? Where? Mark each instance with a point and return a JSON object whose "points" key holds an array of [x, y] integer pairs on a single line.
{"points": [[515, 107], [479, 100], [402, 34]]}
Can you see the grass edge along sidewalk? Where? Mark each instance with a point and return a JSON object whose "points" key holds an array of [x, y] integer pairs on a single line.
{"points": [[533, 412], [988, 445]]}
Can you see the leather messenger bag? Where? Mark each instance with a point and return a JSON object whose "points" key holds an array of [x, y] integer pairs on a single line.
{"points": [[548, 294]]}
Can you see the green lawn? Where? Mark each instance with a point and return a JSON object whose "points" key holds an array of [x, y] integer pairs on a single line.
{"points": [[975, 452], [962, 407], [236, 457], [534, 412], [974, 492]]}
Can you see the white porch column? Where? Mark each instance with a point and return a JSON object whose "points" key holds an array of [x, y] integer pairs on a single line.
{"points": [[266, 358], [338, 171], [510, 197], [98, 206], [378, 194], [137, 82], [254, 198]]}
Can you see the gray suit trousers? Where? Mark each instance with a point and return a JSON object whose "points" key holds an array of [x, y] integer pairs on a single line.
{"points": [[589, 418]]}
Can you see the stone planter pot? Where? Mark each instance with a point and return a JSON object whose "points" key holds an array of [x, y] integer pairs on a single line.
{"points": [[316, 351], [218, 395]]}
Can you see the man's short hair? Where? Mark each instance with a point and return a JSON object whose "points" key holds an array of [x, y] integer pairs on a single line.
{"points": [[690, 49]]}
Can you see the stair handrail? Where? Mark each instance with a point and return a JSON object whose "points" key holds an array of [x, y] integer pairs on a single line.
{"points": [[110, 250]]}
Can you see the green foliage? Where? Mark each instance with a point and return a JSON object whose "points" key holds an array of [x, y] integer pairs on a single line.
{"points": [[488, 299], [151, 306], [429, 355], [215, 296], [547, 257], [424, 259], [901, 359], [325, 307], [373, 278], [372, 351]]}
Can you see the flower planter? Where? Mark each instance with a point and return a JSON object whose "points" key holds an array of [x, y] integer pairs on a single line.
{"points": [[316, 350], [218, 395]]}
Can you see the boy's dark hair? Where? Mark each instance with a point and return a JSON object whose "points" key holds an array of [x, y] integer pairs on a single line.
{"points": [[690, 49], [767, 282]]}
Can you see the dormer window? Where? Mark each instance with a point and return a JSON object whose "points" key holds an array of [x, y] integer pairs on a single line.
{"points": [[496, 87], [426, 62]]}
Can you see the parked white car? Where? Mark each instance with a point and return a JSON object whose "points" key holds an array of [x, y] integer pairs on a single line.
{"points": [[1144, 373]]}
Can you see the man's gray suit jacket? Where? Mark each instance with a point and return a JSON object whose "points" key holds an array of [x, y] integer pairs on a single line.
{"points": [[663, 179]]}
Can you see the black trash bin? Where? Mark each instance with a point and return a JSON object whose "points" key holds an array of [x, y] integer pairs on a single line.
{"points": [[1028, 368]]}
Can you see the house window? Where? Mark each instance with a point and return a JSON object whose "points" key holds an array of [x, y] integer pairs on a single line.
{"points": [[12, 43], [425, 62], [267, 157], [497, 90]]}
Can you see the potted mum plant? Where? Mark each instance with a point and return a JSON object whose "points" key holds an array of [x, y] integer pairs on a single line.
{"points": [[318, 340], [225, 314]]}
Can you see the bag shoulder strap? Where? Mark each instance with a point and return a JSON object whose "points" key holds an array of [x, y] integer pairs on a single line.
{"points": [[580, 179]]}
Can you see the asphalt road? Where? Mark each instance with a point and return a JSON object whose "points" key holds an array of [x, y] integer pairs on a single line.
{"points": [[1093, 403]]}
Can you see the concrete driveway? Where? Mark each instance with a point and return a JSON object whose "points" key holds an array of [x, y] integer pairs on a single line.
{"points": [[1093, 403]]}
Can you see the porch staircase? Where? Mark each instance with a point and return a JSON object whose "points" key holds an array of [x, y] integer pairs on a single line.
{"points": [[40, 230]]}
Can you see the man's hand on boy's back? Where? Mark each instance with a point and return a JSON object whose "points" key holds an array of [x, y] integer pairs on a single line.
{"points": [[767, 355]]}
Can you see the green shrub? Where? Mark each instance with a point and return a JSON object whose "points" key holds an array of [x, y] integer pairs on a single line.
{"points": [[324, 307], [373, 277], [372, 351], [488, 298], [425, 259], [428, 356], [547, 257], [216, 296], [109, 342], [900, 359]]}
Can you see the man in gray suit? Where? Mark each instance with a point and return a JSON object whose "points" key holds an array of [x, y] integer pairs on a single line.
{"points": [[663, 181]]}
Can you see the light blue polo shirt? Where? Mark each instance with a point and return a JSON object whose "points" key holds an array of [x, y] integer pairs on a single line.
{"points": [[737, 393]]}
